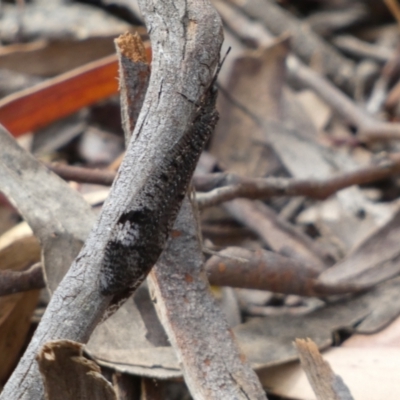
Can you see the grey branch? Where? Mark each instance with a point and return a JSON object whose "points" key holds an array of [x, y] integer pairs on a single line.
{"points": [[186, 38]]}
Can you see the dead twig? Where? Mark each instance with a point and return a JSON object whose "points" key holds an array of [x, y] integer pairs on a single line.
{"points": [[233, 266], [82, 175], [262, 188], [211, 362], [361, 49], [279, 235], [224, 186], [21, 281]]}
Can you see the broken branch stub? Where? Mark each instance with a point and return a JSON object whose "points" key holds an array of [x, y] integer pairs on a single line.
{"points": [[186, 38]]}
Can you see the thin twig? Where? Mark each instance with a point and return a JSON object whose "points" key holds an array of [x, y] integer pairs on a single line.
{"points": [[262, 188], [82, 175], [21, 281]]}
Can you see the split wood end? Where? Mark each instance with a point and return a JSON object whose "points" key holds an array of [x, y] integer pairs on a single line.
{"points": [[131, 46]]}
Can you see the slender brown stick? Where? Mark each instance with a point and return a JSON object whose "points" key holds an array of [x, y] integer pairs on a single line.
{"points": [[233, 266], [82, 175], [258, 188], [21, 281], [278, 234]]}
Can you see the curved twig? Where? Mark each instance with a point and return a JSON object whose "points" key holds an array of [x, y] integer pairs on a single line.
{"points": [[186, 38], [262, 188]]}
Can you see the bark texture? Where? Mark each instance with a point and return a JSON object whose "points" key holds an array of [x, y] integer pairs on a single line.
{"points": [[186, 38], [211, 361]]}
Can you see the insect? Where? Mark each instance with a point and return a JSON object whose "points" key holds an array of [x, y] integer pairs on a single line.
{"points": [[140, 233]]}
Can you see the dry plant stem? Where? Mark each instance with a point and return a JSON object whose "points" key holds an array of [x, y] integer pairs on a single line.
{"points": [[213, 369], [212, 365], [262, 188], [326, 385], [82, 175], [279, 235], [356, 47], [305, 43], [325, 23], [186, 38], [368, 128], [21, 281]]}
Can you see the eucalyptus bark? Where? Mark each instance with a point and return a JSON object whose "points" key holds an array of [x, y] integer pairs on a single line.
{"points": [[211, 362], [186, 38]]}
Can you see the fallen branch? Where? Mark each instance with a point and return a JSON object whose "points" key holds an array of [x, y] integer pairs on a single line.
{"points": [[135, 221], [211, 362]]}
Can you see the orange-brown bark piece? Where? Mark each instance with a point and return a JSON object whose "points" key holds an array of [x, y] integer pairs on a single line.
{"points": [[58, 97]]}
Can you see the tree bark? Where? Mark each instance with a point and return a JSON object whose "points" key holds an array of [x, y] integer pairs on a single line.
{"points": [[211, 362], [186, 38]]}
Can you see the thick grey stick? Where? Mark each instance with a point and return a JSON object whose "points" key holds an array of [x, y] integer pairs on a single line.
{"points": [[205, 345], [186, 38]]}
